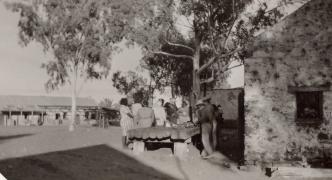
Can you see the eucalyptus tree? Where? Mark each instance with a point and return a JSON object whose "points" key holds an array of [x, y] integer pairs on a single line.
{"points": [[80, 35]]}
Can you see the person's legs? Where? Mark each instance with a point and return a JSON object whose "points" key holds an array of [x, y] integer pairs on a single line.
{"points": [[124, 135], [206, 133], [124, 141], [214, 134]]}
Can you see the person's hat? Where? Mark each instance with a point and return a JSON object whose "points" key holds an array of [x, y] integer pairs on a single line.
{"points": [[199, 102]]}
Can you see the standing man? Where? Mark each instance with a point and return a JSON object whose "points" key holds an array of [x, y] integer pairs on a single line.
{"points": [[207, 118]]}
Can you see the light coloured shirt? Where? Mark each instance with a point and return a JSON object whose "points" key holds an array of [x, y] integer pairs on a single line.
{"points": [[135, 107], [145, 117], [160, 115]]}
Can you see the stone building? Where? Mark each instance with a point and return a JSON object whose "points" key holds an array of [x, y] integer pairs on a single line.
{"points": [[288, 97], [43, 110]]}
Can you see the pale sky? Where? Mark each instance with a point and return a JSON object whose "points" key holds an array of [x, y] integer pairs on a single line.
{"points": [[20, 72]]}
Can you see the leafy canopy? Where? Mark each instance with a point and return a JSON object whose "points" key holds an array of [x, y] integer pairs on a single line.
{"points": [[81, 35]]}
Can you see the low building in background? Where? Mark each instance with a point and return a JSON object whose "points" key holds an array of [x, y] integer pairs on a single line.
{"points": [[44, 110]]}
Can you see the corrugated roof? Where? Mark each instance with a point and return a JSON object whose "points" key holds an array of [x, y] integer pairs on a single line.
{"points": [[15, 101]]}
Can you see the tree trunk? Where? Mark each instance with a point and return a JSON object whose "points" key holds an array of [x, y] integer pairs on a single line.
{"points": [[172, 91], [73, 101], [196, 80]]}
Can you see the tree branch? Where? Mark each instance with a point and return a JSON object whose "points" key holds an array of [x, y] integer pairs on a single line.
{"points": [[180, 45], [212, 60], [174, 55], [227, 69], [207, 81], [230, 29]]}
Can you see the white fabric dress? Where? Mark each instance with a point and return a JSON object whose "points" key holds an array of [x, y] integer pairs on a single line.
{"points": [[160, 115], [126, 122], [134, 109]]}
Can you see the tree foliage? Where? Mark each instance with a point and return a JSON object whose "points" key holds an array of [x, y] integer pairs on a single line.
{"points": [[169, 71], [133, 85], [81, 35], [75, 33], [128, 82], [220, 33], [106, 103]]}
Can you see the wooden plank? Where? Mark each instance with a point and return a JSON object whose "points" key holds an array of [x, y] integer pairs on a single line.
{"points": [[138, 147]]}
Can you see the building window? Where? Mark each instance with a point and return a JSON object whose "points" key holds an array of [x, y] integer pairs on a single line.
{"points": [[93, 116], [86, 115], [64, 115], [309, 107]]}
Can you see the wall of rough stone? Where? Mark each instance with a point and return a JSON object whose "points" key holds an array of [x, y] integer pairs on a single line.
{"points": [[295, 52]]}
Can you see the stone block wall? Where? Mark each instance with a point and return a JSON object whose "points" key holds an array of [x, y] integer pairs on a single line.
{"points": [[295, 52]]}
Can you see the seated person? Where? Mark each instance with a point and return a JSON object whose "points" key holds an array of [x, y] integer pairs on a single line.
{"points": [[145, 116]]}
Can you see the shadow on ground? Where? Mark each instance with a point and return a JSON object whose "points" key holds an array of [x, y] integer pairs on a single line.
{"points": [[7, 138], [95, 162]]}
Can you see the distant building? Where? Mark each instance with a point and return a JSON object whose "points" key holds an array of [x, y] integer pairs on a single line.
{"points": [[43, 110]]}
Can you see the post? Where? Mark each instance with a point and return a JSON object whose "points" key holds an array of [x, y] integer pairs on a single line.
{"points": [[10, 115], [31, 117], [20, 117], [103, 122], [42, 116], [138, 147], [181, 149], [6, 118]]}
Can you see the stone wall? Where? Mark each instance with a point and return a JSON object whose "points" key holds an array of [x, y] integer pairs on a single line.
{"points": [[295, 52]]}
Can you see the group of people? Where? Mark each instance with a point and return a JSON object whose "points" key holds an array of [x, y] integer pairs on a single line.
{"points": [[143, 114]]}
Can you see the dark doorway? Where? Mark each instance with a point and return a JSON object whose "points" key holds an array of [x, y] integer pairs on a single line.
{"points": [[231, 130]]}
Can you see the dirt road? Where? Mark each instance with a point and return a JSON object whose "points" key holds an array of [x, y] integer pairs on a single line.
{"points": [[41, 153]]}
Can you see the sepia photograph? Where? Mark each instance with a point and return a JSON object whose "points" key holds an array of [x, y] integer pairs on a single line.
{"points": [[166, 90]]}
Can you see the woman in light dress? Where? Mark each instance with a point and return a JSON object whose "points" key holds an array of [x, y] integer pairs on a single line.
{"points": [[160, 113], [126, 121]]}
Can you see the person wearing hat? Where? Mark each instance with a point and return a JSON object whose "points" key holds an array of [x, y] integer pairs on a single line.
{"points": [[206, 113]]}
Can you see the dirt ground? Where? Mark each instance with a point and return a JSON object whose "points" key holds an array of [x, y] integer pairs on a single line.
{"points": [[41, 153]]}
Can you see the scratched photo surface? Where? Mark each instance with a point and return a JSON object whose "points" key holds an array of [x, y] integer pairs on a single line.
{"points": [[165, 89]]}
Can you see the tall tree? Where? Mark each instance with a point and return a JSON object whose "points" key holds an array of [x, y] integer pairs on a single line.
{"points": [[80, 35], [223, 28]]}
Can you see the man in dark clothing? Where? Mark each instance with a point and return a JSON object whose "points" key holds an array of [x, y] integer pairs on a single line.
{"points": [[207, 117]]}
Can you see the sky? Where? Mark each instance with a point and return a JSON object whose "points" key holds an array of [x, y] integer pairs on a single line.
{"points": [[21, 72]]}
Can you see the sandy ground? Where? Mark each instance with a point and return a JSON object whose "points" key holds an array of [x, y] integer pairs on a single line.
{"points": [[42, 153]]}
